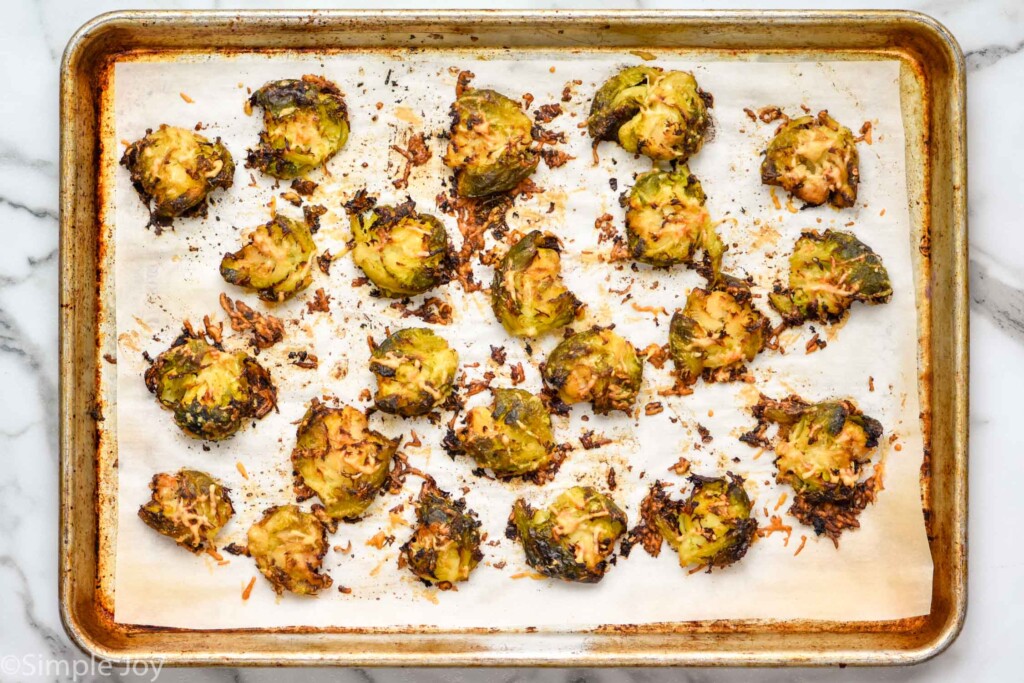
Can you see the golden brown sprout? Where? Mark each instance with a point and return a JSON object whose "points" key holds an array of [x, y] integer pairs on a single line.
{"points": [[212, 392], [174, 170], [305, 124], [528, 295], [339, 459], [277, 261], [491, 148], [667, 223], [815, 159], [574, 538], [512, 437], [415, 371], [402, 252], [445, 545], [827, 273], [597, 366], [288, 546], [191, 507], [660, 114], [717, 333]]}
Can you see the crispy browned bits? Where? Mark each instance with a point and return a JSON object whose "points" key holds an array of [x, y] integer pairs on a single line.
{"points": [[265, 330]]}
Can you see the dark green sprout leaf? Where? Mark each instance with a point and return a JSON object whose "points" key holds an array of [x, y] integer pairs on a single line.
{"points": [[445, 545], [402, 252], [597, 366], [667, 222], [660, 114], [305, 124], [717, 333], [491, 148], [512, 437], [338, 458], [574, 538], [288, 546], [277, 261], [827, 273], [174, 170], [814, 159], [415, 371], [212, 392], [191, 507], [528, 295]]}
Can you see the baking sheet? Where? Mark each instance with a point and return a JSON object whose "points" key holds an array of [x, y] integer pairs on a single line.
{"points": [[882, 571]]}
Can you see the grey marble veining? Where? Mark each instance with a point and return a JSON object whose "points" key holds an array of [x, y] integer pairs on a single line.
{"points": [[33, 34]]}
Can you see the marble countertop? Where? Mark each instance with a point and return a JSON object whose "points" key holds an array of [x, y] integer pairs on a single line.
{"points": [[33, 35]]}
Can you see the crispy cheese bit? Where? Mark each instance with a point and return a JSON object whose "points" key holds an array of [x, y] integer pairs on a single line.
{"points": [[512, 437], [415, 371], [339, 459], [815, 159], [528, 295], [574, 538], [491, 147], [596, 366], [660, 114], [445, 544], [175, 170], [190, 507], [247, 591], [211, 392]]}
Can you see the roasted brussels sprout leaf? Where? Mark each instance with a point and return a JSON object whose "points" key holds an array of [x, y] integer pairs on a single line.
{"points": [[338, 458], [827, 273], [491, 148], [415, 371], [528, 295], [597, 366], [191, 507], [821, 450], [713, 527], [660, 114], [305, 124], [288, 546], [174, 170], [212, 392], [814, 159], [574, 538], [445, 545], [716, 333], [277, 261], [512, 437], [667, 223], [402, 252]]}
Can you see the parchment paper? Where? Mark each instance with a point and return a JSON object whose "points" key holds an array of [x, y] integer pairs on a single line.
{"points": [[881, 571]]}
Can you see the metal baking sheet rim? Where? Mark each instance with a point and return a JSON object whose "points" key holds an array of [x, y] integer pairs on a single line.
{"points": [[915, 38]]}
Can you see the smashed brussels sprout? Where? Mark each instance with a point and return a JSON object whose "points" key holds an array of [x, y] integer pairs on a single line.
{"points": [[491, 147], [402, 252], [827, 273], [660, 114], [573, 539], [528, 295], [445, 545], [305, 124], [713, 527], [597, 366], [277, 261], [512, 437], [666, 222], [191, 507], [716, 333], [814, 159], [415, 371], [288, 546], [821, 450], [339, 459], [211, 391], [174, 170]]}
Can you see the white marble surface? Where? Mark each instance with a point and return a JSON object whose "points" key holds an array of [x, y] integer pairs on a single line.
{"points": [[32, 37]]}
